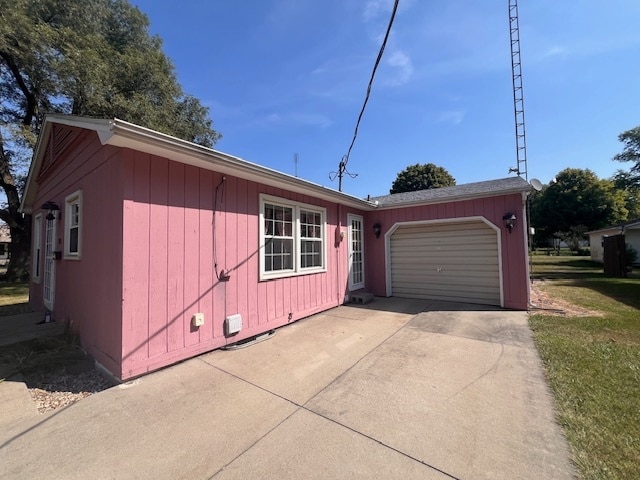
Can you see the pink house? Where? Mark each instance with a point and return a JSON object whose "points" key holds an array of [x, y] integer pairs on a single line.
{"points": [[155, 249]]}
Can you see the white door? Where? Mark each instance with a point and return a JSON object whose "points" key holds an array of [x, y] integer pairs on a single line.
{"points": [[356, 252], [48, 291], [451, 261]]}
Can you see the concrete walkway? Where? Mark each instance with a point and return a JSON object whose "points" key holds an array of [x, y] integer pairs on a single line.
{"points": [[376, 391]]}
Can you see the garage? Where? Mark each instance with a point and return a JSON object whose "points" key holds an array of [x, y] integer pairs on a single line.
{"points": [[450, 260]]}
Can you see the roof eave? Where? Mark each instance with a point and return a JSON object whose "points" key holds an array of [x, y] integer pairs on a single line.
{"points": [[128, 135], [456, 198]]}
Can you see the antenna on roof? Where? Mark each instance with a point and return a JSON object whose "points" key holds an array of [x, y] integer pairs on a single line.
{"points": [[295, 163]]}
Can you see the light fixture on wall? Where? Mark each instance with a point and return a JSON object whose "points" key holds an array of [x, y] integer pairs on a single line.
{"points": [[509, 221], [377, 228], [52, 210]]}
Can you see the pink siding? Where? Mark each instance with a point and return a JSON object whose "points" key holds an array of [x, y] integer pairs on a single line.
{"points": [[88, 291], [173, 240], [514, 250], [156, 233]]}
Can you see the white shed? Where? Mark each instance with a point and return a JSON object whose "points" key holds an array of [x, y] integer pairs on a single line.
{"points": [[630, 230]]}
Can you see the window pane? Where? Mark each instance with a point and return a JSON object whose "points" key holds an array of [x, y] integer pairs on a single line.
{"points": [[73, 240], [75, 213], [278, 255], [310, 255]]}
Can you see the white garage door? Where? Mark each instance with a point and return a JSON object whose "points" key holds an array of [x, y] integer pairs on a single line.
{"points": [[446, 261]]}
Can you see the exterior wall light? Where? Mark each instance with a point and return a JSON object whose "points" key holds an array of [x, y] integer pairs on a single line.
{"points": [[52, 210], [377, 228], [509, 221]]}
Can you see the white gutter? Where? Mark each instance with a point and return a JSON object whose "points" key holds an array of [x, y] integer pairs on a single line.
{"points": [[123, 134]]}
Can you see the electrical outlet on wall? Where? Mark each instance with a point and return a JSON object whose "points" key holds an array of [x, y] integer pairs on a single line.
{"points": [[197, 319]]}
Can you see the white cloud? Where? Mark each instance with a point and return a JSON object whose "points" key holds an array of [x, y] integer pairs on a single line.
{"points": [[273, 118], [401, 62], [556, 51], [454, 117], [373, 8], [311, 119], [296, 119]]}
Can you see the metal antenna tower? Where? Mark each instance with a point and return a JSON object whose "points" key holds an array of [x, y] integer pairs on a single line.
{"points": [[518, 98]]}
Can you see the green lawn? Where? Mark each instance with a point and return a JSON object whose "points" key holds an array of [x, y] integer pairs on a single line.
{"points": [[593, 364], [14, 298]]}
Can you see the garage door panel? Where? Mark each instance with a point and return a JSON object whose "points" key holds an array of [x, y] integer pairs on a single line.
{"points": [[444, 280], [481, 300], [474, 293], [434, 262], [447, 261], [461, 244], [450, 277]]}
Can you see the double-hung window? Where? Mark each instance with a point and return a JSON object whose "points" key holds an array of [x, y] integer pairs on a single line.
{"points": [[73, 226], [292, 238]]}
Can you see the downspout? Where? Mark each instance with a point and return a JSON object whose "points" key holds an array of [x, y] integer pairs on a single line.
{"points": [[338, 243]]}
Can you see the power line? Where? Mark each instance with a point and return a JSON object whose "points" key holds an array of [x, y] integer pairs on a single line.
{"points": [[342, 166]]}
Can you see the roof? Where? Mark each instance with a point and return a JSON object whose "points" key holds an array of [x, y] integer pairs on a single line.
{"points": [[631, 224], [467, 191], [123, 134], [120, 133]]}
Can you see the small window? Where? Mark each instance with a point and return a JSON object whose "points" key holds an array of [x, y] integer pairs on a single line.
{"points": [[37, 248], [73, 226], [292, 238]]}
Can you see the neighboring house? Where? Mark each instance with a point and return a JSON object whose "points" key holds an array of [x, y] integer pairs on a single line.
{"points": [[155, 249], [5, 240], [630, 230]]}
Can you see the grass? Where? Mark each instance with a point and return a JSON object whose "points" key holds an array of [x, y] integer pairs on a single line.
{"points": [[14, 298], [593, 364], [39, 355]]}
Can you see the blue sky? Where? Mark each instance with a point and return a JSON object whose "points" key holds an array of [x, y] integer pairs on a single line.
{"points": [[286, 77]]}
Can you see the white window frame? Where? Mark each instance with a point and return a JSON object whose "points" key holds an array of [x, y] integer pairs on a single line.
{"points": [[36, 255], [297, 208], [70, 201]]}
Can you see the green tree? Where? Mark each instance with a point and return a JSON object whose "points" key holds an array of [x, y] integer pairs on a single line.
{"points": [[84, 57], [631, 153], [578, 201], [422, 177], [623, 181]]}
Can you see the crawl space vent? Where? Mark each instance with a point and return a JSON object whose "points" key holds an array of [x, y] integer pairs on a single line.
{"points": [[233, 324]]}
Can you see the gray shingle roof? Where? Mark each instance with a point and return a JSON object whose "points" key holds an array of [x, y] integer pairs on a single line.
{"points": [[630, 224], [467, 191]]}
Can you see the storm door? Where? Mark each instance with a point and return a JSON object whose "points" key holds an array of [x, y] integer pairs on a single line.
{"points": [[48, 291], [356, 252]]}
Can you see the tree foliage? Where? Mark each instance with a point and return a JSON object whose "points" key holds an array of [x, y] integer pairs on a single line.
{"points": [[578, 201], [84, 57], [631, 153], [422, 177], [623, 181]]}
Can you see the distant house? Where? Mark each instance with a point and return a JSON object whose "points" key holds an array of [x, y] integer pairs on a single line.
{"points": [[155, 249], [5, 241], [630, 230]]}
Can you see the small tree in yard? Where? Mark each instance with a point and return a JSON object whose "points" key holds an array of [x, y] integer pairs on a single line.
{"points": [[422, 177], [573, 237]]}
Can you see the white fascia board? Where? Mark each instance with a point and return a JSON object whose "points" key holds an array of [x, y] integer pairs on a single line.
{"points": [[457, 198], [127, 135]]}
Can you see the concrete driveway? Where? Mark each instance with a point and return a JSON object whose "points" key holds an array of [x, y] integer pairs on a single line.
{"points": [[394, 389]]}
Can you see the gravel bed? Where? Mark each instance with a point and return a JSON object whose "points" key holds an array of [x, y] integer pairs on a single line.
{"points": [[61, 388]]}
